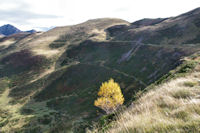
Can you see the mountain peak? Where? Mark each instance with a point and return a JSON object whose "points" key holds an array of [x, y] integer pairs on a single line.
{"points": [[8, 25], [8, 29]]}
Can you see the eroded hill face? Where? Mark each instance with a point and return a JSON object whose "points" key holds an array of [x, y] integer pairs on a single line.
{"points": [[50, 79]]}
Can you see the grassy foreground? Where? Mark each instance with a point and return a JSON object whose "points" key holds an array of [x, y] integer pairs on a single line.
{"points": [[173, 106]]}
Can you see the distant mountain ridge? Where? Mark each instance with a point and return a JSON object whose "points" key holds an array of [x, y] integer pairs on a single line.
{"points": [[9, 29], [31, 31]]}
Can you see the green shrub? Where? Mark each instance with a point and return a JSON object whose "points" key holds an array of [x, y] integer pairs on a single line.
{"points": [[27, 111], [181, 115], [46, 119], [181, 70], [187, 67], [104, 120], [182, 94], [190, 84]]}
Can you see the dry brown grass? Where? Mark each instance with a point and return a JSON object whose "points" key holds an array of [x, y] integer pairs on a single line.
{"points": [[170, 107], [7, 43]]}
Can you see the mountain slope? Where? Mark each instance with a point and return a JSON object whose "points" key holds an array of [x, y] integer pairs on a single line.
{"points": [[173, 106], [183, 29], [50, 79]]}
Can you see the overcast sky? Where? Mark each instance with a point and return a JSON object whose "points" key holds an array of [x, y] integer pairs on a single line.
{"points": [[42, 14]]}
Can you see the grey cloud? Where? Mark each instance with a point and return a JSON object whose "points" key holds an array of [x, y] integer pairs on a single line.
{"points": [[23, 16]]}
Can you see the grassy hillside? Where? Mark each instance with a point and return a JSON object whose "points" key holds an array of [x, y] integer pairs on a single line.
{"points": [[172, 106], [48, 81], [183, 29]]}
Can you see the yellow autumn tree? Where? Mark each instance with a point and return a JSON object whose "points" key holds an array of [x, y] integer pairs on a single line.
{"points": [[110, 96]]}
